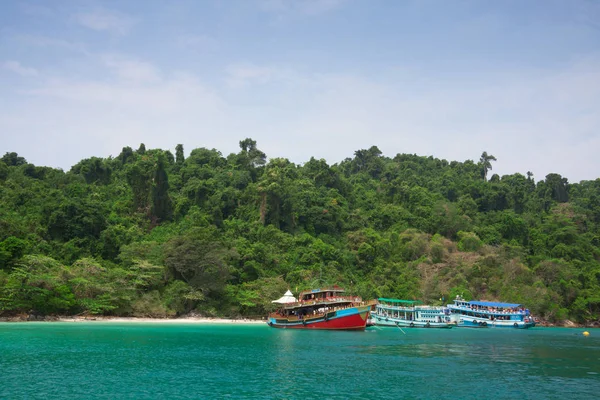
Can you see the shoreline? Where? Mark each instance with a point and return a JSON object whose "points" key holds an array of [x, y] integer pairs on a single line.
{"points": [[102, 319], [208, 320]]}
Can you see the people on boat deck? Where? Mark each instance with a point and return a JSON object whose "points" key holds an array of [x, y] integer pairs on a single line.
{"points": [[498, 310]]}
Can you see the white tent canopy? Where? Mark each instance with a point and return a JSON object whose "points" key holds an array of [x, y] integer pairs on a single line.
{"points": [[288, 297]]}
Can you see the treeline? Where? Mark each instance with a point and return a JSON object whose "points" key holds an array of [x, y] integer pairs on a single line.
{"points": [[149, 233]]}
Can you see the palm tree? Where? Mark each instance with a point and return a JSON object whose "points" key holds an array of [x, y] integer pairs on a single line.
{"points": [[485, 162], [529, 175]]}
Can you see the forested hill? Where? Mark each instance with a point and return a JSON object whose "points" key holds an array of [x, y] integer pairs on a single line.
{"points": [[149, 233]]}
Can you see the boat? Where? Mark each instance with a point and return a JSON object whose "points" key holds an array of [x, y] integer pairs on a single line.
{"points": [[410, 314], [323, 308], [489, 314]]}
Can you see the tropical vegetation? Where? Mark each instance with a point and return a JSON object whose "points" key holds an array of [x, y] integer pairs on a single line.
{"points": [[149, 233]]}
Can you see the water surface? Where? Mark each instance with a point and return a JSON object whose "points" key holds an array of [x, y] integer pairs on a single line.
{"points": [[141, 361]]}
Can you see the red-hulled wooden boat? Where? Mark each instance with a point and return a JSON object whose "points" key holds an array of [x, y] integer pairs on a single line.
{"points": [[327, 308]]}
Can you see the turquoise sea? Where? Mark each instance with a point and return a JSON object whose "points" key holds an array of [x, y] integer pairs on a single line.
{"points": [[142, 361]]}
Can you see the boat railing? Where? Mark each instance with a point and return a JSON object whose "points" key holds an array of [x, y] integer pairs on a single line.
{"points": [[333, 289], [333, 299], [293, 318], [393, 308], [492, 311], [410, 309]]}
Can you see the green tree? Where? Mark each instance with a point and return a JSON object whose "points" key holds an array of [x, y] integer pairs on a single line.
{"points": [[199, 260], [12, 159], [11, 249], [162, 207], [139, 177], [557, 187], [251, 155], [179, 156], [126, 155], [3, 171], [77, 218], [485, 161], [93, 170]]}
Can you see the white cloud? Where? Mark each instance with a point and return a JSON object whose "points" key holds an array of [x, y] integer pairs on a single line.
{"points": [[17, 68], [68, 118], [243, 74], [133, 85], [539, 121], [105, 20], [130, 69]]}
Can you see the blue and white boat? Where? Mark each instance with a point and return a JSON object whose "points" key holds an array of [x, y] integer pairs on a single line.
{"points": [[409, 314], [489, 314]]}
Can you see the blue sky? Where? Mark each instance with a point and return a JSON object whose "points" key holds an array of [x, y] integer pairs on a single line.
{"points": [[323, 78]]}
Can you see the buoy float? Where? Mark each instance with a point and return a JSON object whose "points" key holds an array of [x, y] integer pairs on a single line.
{"points": [[586, 333]]}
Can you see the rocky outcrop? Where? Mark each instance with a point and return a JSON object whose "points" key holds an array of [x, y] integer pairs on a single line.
{"points": [[569, 324]]}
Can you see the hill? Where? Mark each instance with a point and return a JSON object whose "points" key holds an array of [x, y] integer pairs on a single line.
{"points": [[153, 234]]}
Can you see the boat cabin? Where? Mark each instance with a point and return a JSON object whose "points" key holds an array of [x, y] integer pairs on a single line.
{"points": [[489, 309], [325, 294], [317, 302]]}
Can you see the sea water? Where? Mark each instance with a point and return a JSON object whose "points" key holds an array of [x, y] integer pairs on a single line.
{"points": [[211, 361]]}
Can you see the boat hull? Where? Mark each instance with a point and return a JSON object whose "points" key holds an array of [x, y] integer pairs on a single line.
{"points": [[403, 323], [480, 323], [352, 318]]}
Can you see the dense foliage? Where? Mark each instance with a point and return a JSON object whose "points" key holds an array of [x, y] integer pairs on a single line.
{"points": [[152, 234]]}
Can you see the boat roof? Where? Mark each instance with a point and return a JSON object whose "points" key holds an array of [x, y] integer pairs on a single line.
{"points": [[400, 301], [494, 304], [336, 289], [287, 298]]}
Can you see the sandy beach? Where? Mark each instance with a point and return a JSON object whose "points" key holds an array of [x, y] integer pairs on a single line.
{"points": [[163, 321], [185, 320]]}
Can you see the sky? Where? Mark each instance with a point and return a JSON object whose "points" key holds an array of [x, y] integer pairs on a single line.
{"points": [[305, 78]]}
